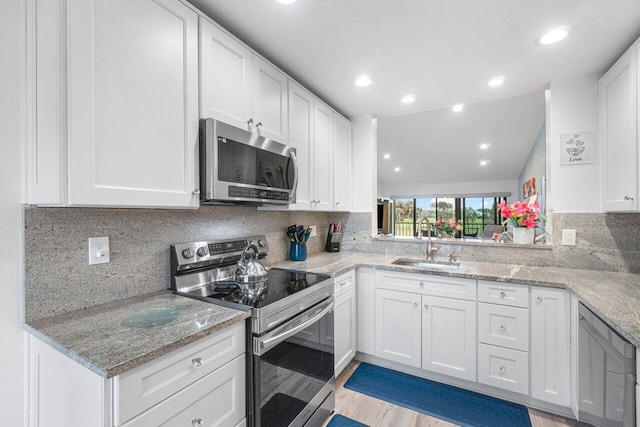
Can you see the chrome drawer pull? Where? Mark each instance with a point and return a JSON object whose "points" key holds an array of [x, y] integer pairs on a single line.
{"points": [[415, 304], [196, 362], [426, 306], [196, 422], [503, 369], [539, 299], [503, 294], [503, 327], [422, 284]]}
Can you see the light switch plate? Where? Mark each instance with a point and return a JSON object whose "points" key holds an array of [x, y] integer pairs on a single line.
{"points": [[568, 237], [314, 231], [99, 250]]}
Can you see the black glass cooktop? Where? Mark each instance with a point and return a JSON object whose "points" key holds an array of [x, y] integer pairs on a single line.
{"points": [[281, 283]]}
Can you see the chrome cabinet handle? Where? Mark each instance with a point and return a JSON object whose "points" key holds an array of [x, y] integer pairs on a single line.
{"points": [[422, 284], [503, 369], [628, 198], [503, 327], [426, 306], [539, 299], [250, 122], [196, 191], [503, 294], [259, 124], [196, 422], [196, 362], [415, 304]]}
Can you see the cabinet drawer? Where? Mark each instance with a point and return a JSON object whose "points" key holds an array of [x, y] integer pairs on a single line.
{"points": [[217, 399], [439, 286], [503, 293], [504, 326], [343, 283], [137, 390], [503, 368]]}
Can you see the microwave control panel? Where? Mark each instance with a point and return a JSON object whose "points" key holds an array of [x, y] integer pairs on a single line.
{"points": [[253, 193]]}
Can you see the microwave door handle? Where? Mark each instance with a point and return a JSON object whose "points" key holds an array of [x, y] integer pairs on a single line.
{"points": [[267, 342], [294, 187]]}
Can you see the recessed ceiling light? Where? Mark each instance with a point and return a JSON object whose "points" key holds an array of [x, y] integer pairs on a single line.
{"points": [[553, 36], [363, 81], [386, 156], [458, 107], [408, 99], [484, 162], [497, 81], [286, 1], [484, 146], [397, 169]]}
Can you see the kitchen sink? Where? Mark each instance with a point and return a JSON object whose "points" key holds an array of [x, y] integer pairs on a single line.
{"points": [[427, 263]]}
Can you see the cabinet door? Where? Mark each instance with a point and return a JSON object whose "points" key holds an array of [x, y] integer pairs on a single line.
{"points": [[618, 135], [269, 101], [341, 164], [301, 138], [550, 345], [449, 337], [225, 77], [133, 103], [322, 158], [365, 309], [398, 327], [345, 329]]}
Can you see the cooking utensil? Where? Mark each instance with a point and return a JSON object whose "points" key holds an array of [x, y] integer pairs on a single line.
{"points": [[250, 275]]}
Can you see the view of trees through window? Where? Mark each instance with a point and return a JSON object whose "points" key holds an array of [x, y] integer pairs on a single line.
{"points": [[474, 213]]}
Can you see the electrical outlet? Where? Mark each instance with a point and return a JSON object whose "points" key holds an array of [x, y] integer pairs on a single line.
{"points": [[99, 250], [314, 231], [569, 237]]}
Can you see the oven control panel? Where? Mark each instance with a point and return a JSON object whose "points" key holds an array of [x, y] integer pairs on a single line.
{"points": [[186, 256]]}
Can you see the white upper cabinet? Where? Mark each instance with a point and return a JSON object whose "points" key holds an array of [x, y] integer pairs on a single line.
{"points": [[342, 199], [619, 134], [301, 111], [269, 101], [225, 77], [322, 158], [131, 105], [240, 88]]}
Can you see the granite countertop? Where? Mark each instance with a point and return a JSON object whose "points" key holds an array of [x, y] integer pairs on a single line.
{"points": [[615, 297], [96, 338]]}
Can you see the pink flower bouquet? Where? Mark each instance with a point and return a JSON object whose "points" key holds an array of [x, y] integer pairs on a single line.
{"points": [[521, 214]]}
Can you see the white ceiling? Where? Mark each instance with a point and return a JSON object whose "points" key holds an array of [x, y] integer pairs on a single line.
{"points": [[445, 52], [440, 146]]}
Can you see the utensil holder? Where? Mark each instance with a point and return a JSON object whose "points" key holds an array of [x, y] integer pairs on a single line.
{"points": [[298, 251]]}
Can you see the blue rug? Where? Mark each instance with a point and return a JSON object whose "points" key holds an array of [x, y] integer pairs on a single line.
{"points": [[446, 402], [342, 421]]}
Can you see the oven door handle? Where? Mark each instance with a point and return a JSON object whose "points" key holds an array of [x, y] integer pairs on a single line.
{"points": [[265, 343]]}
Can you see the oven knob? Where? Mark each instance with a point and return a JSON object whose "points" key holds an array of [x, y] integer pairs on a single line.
{"points": [[187, 253], [202, 251], [262, 243]]}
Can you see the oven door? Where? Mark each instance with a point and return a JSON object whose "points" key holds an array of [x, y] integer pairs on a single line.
{"points": [[294, 370]]}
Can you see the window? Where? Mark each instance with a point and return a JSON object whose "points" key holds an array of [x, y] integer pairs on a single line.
{"points": [[474, 212]]}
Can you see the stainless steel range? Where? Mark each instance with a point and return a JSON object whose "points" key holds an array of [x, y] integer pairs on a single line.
{"points": [[291, 350]]}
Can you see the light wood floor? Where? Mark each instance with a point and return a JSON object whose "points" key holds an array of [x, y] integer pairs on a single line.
{"points": [[378, 413]]}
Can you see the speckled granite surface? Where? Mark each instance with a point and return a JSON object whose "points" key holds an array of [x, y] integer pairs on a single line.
{"points": [[96, 338], [614, 296]]}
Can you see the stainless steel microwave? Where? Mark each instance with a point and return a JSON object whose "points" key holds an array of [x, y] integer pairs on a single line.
{"points": [[237, 166]]}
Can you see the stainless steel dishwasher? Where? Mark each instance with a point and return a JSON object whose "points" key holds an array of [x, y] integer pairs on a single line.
{"points": [[607, 374]]}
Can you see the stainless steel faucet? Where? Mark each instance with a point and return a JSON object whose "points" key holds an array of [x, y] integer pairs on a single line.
{"points": [[431, 250]]}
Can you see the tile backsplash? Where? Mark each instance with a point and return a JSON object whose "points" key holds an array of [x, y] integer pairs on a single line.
{"points": [[58, 278]]}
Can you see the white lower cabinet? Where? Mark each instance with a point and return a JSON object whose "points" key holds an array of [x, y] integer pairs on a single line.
{"points": [[202, 383], [449, 336], [504, 368], [550, 345], [398, 327], [366, 310], [344, 317]]}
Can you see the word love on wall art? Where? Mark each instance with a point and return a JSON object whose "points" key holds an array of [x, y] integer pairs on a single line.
{"points": [[576, 148]]}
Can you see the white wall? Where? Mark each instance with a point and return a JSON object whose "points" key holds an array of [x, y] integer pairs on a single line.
{"points": [[467, 189], [364, 163], [572, 107], [12, 357], [535, 166]]}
